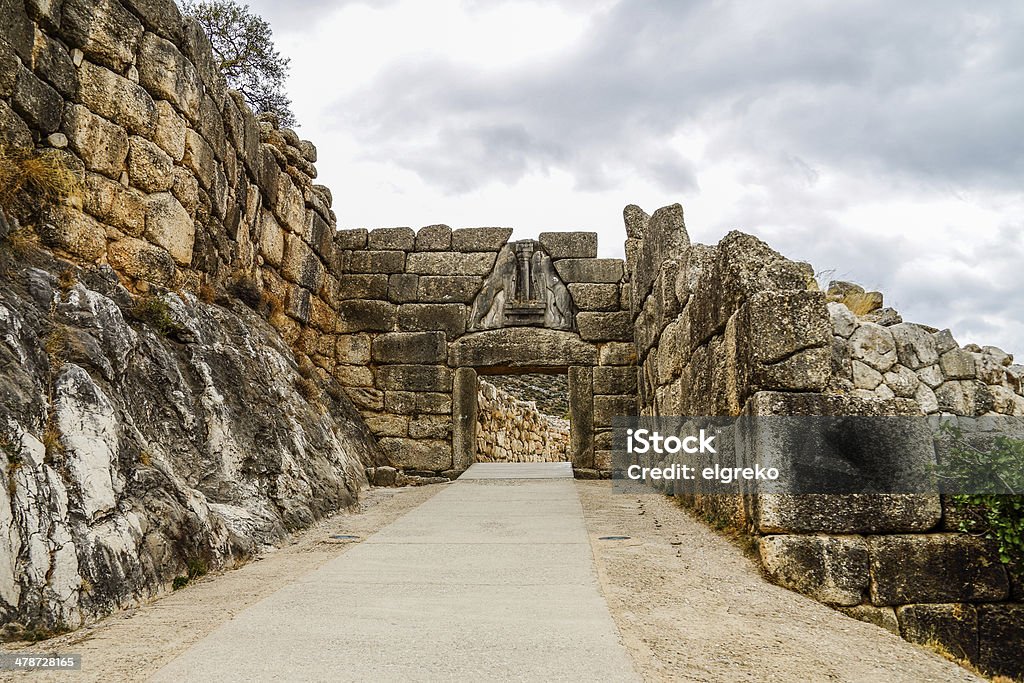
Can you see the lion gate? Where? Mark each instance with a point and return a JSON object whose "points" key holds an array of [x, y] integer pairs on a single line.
{"points": [[425, 312]]}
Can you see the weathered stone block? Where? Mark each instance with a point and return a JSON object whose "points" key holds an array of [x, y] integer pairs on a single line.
{"points": [[964, 397], [353, 349], [298, 303], [170, 226], [104, 30], [450, 263], [464, 418], [377, 262], [142, 261], [434, 378], [430, 427], [915, 346], [410, 347], [874, 345], [831, 569], [775, 325], [363, 286], [448, 289], [16, 29], [116, 205], [200, 158], [169, 132], [38, 103], [117, 99], [1001, 639], [101, 145], [448, 318], [388, 425], [355, 376], [608, 407], [300, 265], [618, 353], [13, 131], [271, 240], [595, 296], [953, 626], [590, 270], [480, 239], [165, 73], [403, 287], [957, 364], [569, 244], [160, 16], [351, 239], [581, 417], [434, 238], [73, 231], [400, 402], [433, 403], [605, 326], [935, 568], [149, 167], [391, 239], [615, 380], [412, 454], [883, 617], [513, 347], [365, 399], [366, 316]]}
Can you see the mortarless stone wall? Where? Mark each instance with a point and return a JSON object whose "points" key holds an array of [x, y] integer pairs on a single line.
{"points": [[512, 430]]}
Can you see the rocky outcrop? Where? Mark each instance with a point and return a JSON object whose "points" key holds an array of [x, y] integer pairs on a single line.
{"points": [[149, 437]]}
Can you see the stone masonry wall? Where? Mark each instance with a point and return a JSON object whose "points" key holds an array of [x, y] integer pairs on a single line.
{"points": [[736, 329], [512, 430], [408, 354]]}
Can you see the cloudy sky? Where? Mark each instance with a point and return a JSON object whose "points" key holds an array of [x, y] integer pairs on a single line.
{"points": [[881, 141]]}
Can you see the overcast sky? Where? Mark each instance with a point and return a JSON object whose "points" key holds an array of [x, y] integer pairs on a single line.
{"points": [[881, 141]]}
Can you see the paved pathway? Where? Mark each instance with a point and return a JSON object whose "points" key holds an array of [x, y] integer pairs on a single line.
{"points": [[491, 579]]}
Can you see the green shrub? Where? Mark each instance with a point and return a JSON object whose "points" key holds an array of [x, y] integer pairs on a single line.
{"points": [[156, 313]]}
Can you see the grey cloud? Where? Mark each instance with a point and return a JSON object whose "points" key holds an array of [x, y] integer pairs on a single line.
{"points": [[929, 89]]}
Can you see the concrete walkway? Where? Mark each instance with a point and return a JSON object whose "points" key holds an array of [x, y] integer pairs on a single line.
{"points": [[491, 579]]}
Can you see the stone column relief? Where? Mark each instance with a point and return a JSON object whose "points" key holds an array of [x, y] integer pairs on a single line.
{"points": [[523, 290]]}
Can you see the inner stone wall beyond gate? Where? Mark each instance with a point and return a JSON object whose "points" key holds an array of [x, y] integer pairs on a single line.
{"points": [[513, 430]]}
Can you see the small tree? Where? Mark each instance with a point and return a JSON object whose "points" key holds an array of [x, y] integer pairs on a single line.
{"points": [[242, 43]]}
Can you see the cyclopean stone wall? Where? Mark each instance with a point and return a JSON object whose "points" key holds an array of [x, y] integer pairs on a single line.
{"points": [[737, 329], [512, 430], [424, 312]]}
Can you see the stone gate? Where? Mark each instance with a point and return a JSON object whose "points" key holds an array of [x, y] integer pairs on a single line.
{"points": [[425, 312]]}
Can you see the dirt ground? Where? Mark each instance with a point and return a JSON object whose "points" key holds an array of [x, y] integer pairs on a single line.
{"points": [[690, 606], [134, 644]]}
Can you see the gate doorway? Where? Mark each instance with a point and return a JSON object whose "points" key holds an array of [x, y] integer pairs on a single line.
{"points": [[523, 418]]}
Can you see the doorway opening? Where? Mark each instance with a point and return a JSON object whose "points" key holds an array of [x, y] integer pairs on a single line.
{"points": [[523, 417]]}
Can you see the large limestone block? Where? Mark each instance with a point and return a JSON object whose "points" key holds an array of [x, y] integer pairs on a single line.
{"points": [[169, 226], [775, 325], [518, 347], [101, 145], [480, 239], [844, 322], [103, 29], [953, 626], [159, 16], [448, 288], [1001, 639], [386, 262], [167, 75], [117, 99], [363, 286], [38, 103], [607, 408], [569, 244], [450, 263], [412, 454], [618, 353], [366, 316], [74, 231], [142, 260], [935, 568], [595, 326], [615, 380], [874, 345], [831, 569], [434, 238], [149, 168], [169, 132], [605, 270], [958, 364], [114, 204], [447, 318], [391, 239], [595, 296], [915, 346], [410, 347], [300, 264], [13, 131], [434, 378]]}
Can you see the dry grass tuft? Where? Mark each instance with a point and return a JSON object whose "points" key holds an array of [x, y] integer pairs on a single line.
{"points": [[861, 303], [43, 175]]}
